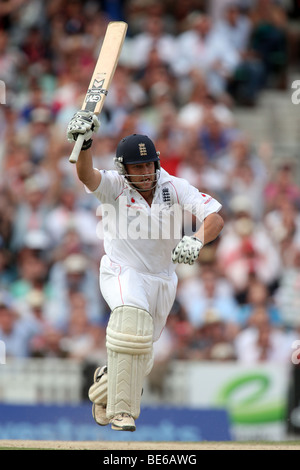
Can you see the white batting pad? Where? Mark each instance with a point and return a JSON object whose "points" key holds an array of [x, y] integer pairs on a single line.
{"points": [[129, 339]]}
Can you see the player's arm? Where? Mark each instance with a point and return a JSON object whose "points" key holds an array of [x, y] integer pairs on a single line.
{"points": [[90, 177], [86, 123], [212, 226]]}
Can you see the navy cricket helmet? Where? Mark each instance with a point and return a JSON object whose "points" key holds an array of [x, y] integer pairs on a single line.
{"points": [[135, 148]]}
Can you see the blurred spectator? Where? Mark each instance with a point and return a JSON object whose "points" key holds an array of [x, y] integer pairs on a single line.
{"points": [[222, 351], [73, 17], [124, 97], [235, 25], [31, 213], [216, 8], [32, 308], [282, 186], [242, 150], [173, 155], [11, 62], [165, 347], [35, 105], [37, 135], [157, 81], [198, 101], [174, 343], [213, 338], [68, 214], [196, 169], [153, 36], [177, 337], [207, 291], [7, 272], [35, 46], [243, 169], [246, 250], [287, 296], [259, 296], [82, 339], [48, 344], [214, 138], [199, 48], [70, 243], [262, 342], [269, 40], [7, 213], [245, 184], [32, 272], [8, 129], [70, 276], [212, 298], [283, 225], [15, 332], [18, 168], [248, 78]]}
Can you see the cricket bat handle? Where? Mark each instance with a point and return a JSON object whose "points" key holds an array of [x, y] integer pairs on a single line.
{"points": [[76, 149]]}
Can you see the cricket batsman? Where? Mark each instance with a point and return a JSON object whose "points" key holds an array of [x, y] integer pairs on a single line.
{"points": [[143, 242]]}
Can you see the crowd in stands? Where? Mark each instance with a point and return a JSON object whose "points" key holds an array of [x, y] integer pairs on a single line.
{"points": [[185, 67]]}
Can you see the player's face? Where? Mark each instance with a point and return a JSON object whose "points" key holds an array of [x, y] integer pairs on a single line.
{"points": [[142, 175]]}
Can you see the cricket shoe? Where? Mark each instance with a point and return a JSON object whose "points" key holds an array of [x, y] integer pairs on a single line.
{"points": [[99, 409], [123, 422]]}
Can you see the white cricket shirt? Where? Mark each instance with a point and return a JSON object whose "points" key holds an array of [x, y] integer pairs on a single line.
{"points": [[143, 236]]}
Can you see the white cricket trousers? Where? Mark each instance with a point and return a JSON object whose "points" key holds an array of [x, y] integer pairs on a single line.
{"points": [[123, 285]]}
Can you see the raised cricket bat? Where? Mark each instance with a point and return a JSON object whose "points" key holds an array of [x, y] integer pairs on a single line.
{"points": [[102, 75]]}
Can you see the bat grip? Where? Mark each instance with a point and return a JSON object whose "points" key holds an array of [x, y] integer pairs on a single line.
{"points": [[76, 149]]}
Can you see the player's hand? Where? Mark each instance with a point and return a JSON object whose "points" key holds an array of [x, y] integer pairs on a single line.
{"points": [[187, 250], [83, 122]]}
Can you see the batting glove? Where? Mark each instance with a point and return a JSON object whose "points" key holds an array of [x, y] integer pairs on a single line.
{"points": [[187, 250], [83, 122]]}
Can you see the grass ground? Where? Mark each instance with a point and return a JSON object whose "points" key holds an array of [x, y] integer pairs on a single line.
{"points": [[146, 446]]}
